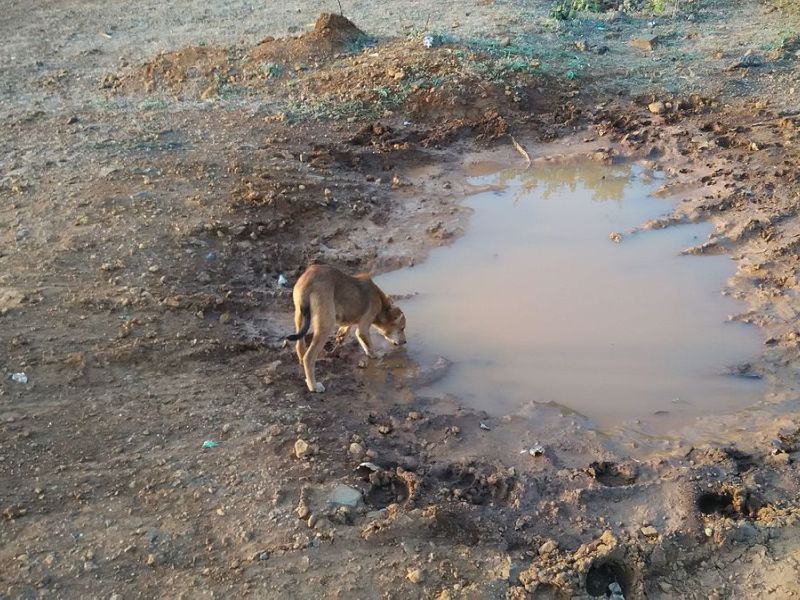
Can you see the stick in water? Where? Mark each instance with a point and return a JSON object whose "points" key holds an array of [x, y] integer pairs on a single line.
{"points": [[519, 148]]}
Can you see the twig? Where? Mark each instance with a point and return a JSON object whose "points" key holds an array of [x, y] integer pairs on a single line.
{"points": [[341, 10], [519, 148]]}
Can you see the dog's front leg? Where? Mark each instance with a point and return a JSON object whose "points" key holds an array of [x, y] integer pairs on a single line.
{"points": [[362, 334]]}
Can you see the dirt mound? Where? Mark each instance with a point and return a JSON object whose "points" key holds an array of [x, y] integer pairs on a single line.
{"points": [[196, 71], [332, 34]]}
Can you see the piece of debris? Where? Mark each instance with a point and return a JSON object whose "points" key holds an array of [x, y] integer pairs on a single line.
{"points": [[282, 281], [210, 444], [367, 467], [616, 591], [485, 427], [19, 377], [615, 237], [657, 108], [748, 61], [432, 40], [536, 450]]}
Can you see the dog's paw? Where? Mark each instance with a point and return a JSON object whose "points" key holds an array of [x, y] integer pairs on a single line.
{"points": [[319, 388]]}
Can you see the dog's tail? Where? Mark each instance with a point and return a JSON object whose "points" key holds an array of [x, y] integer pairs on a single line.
{"points": [[306, 312]]}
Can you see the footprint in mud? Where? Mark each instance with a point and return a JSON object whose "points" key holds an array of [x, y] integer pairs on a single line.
{"points": [[386, 487], [612, 474], [473, 484], [736, 503]]}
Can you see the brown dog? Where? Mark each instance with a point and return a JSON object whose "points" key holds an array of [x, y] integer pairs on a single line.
{"points": [[324, 297]]}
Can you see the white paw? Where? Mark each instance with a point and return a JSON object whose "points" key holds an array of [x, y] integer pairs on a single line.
{"points": [[319, 388]]}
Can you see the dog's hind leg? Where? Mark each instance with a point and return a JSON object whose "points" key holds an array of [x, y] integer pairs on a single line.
{"points": [[323, 328], [300, 347]]}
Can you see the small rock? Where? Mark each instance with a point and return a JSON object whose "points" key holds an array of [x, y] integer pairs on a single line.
{"points": [[22, 234], [356, 450], [657, 108], [344, 495], [665, 587], [302, 510], [414, 576], [615, 237], [302, 449], [581, 46], [151, 560], [548, 547], [649, 531], [384, 429], [226, 428], [312, 521], [505, 42]]}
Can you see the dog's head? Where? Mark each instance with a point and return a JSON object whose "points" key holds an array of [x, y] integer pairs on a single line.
{"points": [[391, 322]]}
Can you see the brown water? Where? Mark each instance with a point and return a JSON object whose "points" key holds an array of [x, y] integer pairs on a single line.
{"points": [[535, 305]]}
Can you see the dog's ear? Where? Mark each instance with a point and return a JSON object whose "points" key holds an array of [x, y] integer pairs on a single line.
{"points": [[394, 313]]}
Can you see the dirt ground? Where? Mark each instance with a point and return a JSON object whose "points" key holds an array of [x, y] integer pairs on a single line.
{"points": [[162, 164]]}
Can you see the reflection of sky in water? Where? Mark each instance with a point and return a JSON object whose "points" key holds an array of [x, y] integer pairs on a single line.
{"points": [[536, 304]]}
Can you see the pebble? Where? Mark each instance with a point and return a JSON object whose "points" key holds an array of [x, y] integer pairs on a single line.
{"points": [[414, 576], [226, 428], [548, 547], [302, 449], [657, 108], [302, 510], [649, 531], [356, 449]]}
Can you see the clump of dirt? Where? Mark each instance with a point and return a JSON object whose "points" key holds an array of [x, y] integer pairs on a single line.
{"points": [[322, 75], [332, 34], [196, 71]]}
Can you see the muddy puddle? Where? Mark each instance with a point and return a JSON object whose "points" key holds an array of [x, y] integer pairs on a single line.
{"points": [[536, 307]]}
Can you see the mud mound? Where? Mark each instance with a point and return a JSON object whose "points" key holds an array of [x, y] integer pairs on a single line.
{"points": [[196, 71], [332, 34]]}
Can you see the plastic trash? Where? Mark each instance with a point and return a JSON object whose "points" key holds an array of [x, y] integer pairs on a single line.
{"points": [[19, 378], [210, 444], [485, 427], [432, 40], [282, 281]]}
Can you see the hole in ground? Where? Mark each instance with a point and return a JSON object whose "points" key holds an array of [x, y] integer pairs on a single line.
{"points": [[709, 503], [601, 576], [611, 474]]}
